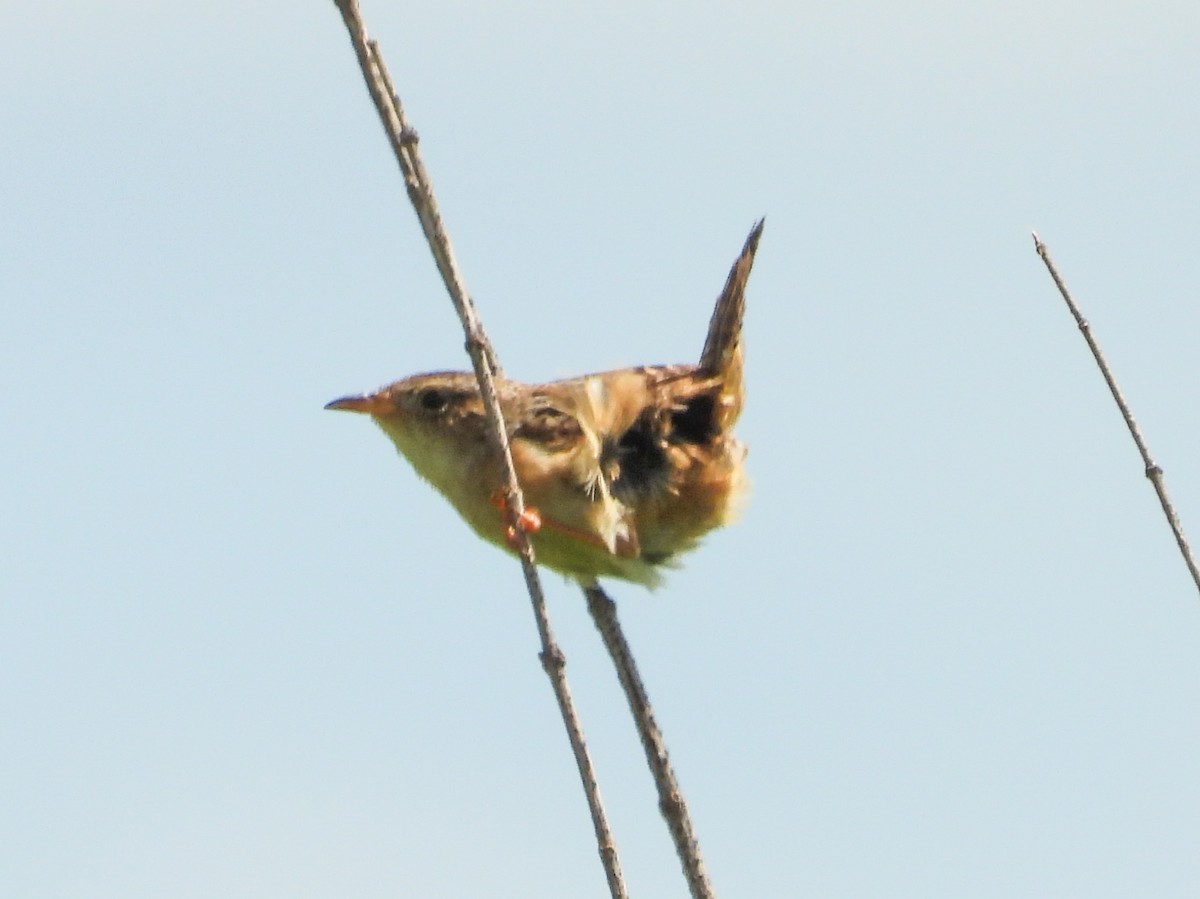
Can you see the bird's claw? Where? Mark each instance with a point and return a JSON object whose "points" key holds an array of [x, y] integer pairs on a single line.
{"points": [[529, 521]]}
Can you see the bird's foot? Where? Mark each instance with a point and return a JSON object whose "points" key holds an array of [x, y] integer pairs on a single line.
{"points": [[529, 521]]}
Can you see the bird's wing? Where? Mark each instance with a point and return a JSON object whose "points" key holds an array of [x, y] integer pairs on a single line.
{"points": [[557, 448]]}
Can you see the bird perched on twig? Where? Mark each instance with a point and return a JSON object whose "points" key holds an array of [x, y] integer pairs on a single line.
{"points": [[621, 471]]}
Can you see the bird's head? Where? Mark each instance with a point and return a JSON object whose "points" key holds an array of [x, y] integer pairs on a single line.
{"points": [[435, 420]]}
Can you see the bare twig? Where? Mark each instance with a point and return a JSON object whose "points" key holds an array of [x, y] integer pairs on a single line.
{"points": [[1153, 471], [670, 798], [420, 192]]}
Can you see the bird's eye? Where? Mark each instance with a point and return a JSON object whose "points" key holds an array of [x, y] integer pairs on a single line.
{"points": [[433, 400]]}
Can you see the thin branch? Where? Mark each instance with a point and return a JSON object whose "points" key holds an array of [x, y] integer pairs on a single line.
{"points": [[1153, 471], [403, 139], [670, 797]]}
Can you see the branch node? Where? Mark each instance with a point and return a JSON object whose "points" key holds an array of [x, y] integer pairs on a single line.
{"points": [[477, 343], [553, 660]]}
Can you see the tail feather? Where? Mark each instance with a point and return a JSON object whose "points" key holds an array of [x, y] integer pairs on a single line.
{"points": [[722, 357]]}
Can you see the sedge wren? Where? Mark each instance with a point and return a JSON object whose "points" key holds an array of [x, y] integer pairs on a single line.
{"points": [[621, 471]]}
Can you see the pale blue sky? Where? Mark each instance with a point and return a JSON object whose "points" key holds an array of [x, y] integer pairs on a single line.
{"points": [[950, 650]]}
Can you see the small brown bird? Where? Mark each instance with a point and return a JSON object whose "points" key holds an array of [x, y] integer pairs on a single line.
{"points": [[621, 471]]}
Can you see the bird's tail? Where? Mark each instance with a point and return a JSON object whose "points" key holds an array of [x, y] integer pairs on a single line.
{"points": [[722, 357]]}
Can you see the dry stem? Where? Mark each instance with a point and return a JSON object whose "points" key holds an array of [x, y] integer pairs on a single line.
{"points": [[670, 798], [1153, 471], [420, 192]]}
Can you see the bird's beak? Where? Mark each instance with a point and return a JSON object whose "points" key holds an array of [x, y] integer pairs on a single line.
{"points": [[371, 403]]}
